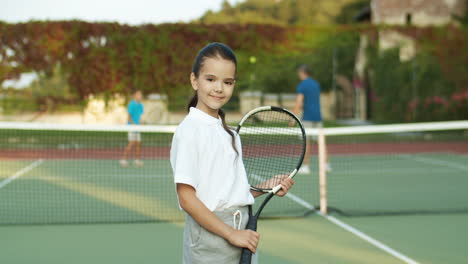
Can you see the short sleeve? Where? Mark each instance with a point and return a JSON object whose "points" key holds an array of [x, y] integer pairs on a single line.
{"points": [[300, 89], [184, 160]]}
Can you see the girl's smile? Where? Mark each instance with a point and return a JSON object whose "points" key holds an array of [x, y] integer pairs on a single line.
{"points": [[217, 97]]}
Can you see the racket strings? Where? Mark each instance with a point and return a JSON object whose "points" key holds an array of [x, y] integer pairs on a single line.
{"points": [[272, 145]]}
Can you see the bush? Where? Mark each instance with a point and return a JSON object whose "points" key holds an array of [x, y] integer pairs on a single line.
{"points": [[416, 90], [102, 58]]}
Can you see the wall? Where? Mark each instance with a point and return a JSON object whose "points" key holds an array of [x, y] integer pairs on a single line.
{"points": [[423, 12], [115, 112]]}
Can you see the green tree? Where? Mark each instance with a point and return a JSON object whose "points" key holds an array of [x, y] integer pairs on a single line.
{"points": [[277, 74], [279, 12], [52, 89]]}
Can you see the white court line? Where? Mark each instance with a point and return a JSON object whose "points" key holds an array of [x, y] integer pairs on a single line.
{"points": [[300, 201], [436, 161], [353, 230], [369, 239], [21, 172]]}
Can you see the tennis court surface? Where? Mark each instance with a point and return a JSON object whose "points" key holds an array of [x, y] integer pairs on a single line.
{"points": [[396, 194]]}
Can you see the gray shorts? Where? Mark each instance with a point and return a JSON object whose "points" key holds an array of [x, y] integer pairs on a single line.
{"points": [[134, 136], [312, 124], [203, 247]]}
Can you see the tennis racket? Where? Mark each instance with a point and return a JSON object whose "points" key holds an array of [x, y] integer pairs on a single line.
{"points": [[273, 146]]}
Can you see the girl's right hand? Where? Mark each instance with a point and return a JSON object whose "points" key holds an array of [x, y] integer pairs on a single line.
{"points": [[244, 239]]}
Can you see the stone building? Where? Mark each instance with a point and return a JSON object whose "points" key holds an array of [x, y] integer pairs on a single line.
{"points": [[416, 12]]}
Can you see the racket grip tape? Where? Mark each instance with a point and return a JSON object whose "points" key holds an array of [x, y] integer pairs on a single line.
{"points": [[246, 257]]}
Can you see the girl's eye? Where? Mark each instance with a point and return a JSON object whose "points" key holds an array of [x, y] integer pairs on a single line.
{"points": [[210, 79], [229, 83]]}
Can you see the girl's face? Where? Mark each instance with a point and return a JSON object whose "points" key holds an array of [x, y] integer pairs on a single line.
{"points": [[214, 84]]}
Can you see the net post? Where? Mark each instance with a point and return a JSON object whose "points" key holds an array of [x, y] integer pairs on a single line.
{"points": [[322, 171]]}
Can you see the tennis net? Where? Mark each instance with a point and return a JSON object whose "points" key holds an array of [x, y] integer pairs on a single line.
{"points": [[73, 174], [418, 168]]}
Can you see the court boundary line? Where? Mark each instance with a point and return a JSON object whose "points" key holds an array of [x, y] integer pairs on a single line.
{"points": [[353, 230], [21, 172], [369, 239], [433, 161]]}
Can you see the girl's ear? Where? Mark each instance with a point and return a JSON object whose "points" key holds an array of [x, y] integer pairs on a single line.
{"points": [[193, 81]]}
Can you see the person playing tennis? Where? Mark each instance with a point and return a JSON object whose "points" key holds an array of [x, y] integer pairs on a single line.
{"points": [[135, 110], [206, 158], [308, 101]]}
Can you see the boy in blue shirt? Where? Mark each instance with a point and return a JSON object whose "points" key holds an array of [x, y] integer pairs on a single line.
{"points": [[308, 100], [135, 110]]}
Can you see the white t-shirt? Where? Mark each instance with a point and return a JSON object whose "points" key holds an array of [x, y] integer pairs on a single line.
{"points": [[202, 156]]}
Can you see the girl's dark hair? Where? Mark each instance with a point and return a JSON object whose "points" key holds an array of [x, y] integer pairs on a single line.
{"points": [[214, 50]]}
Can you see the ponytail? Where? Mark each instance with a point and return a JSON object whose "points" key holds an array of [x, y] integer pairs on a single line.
{"points": [[228, 129], [193, 102]]}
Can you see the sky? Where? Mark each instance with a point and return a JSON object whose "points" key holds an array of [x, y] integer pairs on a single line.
{"points": [[133, 12]]}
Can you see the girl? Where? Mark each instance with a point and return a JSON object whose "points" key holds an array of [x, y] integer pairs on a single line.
{"points": [[206, 158]]}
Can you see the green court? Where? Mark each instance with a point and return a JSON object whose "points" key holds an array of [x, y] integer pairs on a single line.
{"points": [[426, 239], [392, 198], [132, 213]]}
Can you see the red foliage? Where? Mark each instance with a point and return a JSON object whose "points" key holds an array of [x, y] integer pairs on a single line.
{"points": [[109, 57]]}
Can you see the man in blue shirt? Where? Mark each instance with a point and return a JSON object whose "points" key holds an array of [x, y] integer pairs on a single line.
{"points": [[135, 110], [308, 101]]}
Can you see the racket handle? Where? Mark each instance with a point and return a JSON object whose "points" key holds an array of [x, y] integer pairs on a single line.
{"points": [[246, 257]]}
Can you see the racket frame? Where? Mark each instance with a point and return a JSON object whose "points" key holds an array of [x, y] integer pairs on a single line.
{"points": [[277, 188]]}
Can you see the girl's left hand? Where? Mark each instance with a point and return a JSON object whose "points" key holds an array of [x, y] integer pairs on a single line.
{"points": [[286, 184]]}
